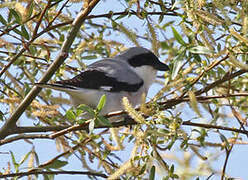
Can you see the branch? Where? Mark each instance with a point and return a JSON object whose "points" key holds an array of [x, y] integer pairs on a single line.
{"points": [[228, 152], [10, 124], [226, 77], [24, 136], [21, 174], [66, 129], [209, 126]]}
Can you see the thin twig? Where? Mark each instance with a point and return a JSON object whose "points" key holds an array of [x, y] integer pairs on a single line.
{"points": [[228, 152], [210, 126], [40, 19], [21, 174], [24, 136]]}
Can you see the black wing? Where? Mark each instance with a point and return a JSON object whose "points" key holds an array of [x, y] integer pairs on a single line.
{"points": [[108, 75]]}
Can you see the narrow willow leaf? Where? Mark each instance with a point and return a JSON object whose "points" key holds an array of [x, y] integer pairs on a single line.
{"points": [[17, 32], [104, 121], [224, 140], [24, 158], [164, 45], [152, 173], [178, 37], [24, 32], [101, 103], [172, 169], [178, 62], [16, 165], [30, 10], [121, 16], [16, 15], [90, 57], [2, 20], [86, 109], [200, 50], [70, 115], [56, 164], [161, 18]]}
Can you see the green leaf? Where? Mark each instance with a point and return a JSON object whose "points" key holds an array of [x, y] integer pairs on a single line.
{"points": [[172, 169], [17, 15], [16, 165], [161, 17], [2, 20], [114, 24], [152, 173], [30, 9], [45, 177], [178, 37], [33, 50], [164, 45], [197, 57], [56, 164], [90, 57], [25, 157], [121, 16], [200, 50], [223, 139], [86, 109], [101, 103], [104, 121], [17, 32], [24, 32], [177, 65], [70, 115]]}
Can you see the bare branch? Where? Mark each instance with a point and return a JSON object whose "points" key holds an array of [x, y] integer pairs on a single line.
{"points": [[21, 174]]}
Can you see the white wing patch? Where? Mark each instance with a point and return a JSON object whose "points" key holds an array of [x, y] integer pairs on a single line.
{"points": [[106, 88]]}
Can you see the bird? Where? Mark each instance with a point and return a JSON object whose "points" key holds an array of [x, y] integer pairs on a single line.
{"points": [[129, 74]]}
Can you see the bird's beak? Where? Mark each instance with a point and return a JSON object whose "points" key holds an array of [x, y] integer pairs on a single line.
{"points": [[161, 66]]}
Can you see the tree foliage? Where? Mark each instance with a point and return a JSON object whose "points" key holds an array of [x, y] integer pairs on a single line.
{"points": [[197, 116]]}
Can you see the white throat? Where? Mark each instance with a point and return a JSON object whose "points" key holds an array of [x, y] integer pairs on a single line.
{"points": [[147, 73]]}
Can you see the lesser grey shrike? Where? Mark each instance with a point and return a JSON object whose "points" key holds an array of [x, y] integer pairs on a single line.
{"points": [[129, 74]]}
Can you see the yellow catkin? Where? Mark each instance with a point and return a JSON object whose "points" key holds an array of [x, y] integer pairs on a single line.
{"points": [[208, 17], [238, 36], [132, 112], [45, 113], [10, 100], [36, 104], [123, 169], [115, 135], [193, 102], [236, 63], [245, 25]]}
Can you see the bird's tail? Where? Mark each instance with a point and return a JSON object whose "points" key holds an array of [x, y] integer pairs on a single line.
{"points": [[56, 86]]}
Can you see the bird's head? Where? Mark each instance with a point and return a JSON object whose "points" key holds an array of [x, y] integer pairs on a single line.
{"points": [[139, 56], [144, 63]]}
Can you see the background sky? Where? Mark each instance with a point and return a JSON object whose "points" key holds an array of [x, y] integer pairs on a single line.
{"points": [[46, 148]]}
